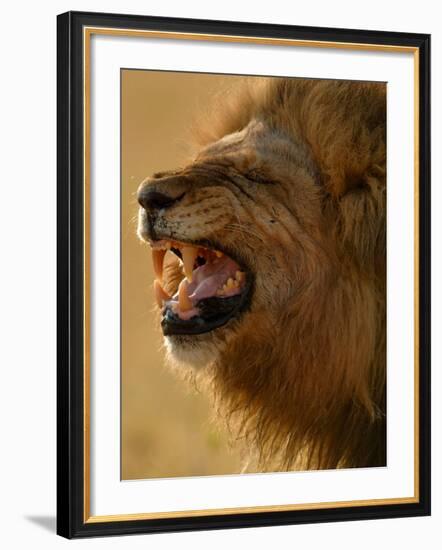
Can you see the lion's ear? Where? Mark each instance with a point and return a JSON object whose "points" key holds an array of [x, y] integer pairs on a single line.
{"points": [[344, 124], [352, 167]]}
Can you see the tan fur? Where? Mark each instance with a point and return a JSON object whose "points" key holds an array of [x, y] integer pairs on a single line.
{"points": [[290, 178]]}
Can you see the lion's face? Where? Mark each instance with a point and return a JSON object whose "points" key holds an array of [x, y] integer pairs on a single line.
{"points": [[277, 277], [247, 223]]}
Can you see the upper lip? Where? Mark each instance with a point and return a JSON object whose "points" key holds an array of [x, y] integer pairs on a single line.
{"points": [[203, 243]]}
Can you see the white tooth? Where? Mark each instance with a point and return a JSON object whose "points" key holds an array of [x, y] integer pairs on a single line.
{"points": [[229, 282], [160, 294], [189, 254], [158, 259], [219, 254], [183, 298]]}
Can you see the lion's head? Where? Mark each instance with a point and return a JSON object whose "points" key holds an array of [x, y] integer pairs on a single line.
{"points": [[279, 292]]}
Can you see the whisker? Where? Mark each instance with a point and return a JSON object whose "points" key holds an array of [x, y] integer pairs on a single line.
{"points": [[244, 231]]}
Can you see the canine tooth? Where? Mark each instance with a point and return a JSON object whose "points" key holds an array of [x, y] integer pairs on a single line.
{"points": [[160, 294], [219, 254], [239, 275], [158, 259], [189, 256], [183, 298], [229, 282]]}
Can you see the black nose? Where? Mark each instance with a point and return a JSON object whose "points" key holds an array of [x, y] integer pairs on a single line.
{"points": [[154, 200]]}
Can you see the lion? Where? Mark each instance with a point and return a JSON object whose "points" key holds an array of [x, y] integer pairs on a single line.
{"points": [[277, 294]]}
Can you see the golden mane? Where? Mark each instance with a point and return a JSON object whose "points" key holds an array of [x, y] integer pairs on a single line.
{"points": [[315, 398]]}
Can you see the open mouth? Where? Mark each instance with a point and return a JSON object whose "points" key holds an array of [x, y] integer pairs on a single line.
{"points": [[215, 288]]}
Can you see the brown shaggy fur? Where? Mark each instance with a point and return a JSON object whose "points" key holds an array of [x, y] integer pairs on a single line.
{"points": [[290, 177]]}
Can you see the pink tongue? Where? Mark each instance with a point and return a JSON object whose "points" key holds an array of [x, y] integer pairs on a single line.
{"points": [[208, 278]]}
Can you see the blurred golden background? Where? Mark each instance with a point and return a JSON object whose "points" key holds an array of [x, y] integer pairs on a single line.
{"points": [[166, 424]]}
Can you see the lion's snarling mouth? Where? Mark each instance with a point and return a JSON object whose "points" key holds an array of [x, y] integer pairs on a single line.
{"points": [[215, 288]]}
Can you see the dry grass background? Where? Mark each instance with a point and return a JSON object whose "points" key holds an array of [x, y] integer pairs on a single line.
{"points": [[166, 425]]}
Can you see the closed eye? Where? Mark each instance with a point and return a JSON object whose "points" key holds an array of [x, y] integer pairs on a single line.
{"points": [[259, 177]]}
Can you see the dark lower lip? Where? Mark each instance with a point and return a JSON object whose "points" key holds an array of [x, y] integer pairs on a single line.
{"points": [[215, 313]]}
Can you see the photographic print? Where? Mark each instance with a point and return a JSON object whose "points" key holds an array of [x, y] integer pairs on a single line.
{"points": [[243, 274], [264, 211]]}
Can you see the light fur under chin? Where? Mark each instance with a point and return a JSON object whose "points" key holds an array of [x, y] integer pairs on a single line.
{"points": [[201, 351], [196, 356]]}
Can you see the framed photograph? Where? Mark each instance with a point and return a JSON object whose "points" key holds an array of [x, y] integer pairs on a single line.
{"points": [[243, 274]]}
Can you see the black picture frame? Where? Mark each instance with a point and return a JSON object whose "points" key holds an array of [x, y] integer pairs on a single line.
{"points": [[71, 521]]}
